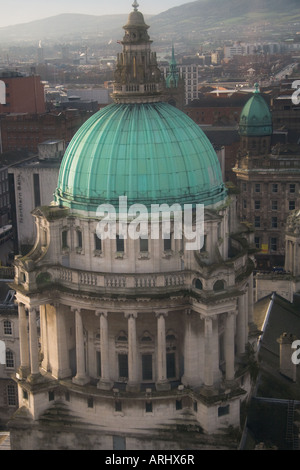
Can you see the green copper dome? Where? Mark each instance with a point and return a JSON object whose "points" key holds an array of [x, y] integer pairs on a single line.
{"points": [[255, 119], [150, 152]]}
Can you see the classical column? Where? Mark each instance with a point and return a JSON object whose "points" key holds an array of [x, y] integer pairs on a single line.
{"points": [[229, 346], [24, 346], [208, 352], [33, 345], [104, 383], [241, 326], [161, 353], [132, 384], [81, 377], [250, 300], [191, 364]]}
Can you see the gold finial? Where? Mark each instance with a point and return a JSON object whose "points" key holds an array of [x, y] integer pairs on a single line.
{"points": [[135, 5]]}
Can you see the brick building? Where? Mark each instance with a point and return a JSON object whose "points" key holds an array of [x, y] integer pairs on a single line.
{"points": [[23, 94], [26, 131]]}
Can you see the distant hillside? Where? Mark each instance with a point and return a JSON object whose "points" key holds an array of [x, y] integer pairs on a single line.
{"points": [[63, 27], [206, 14], [200, 15]]}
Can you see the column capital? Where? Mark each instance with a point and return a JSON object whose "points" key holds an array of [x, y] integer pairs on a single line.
{"points": [[232, 313], [100, 313], [32, 308], [75, 309], [130, 314], [208, 317], [161, 313]]}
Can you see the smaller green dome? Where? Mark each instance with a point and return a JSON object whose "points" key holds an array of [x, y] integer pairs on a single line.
{"points": [[255, 119]]}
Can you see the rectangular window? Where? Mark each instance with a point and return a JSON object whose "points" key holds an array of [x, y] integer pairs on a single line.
{"points": [[292, 188], [119, 443], [292, 205], [178, 405], [171, 365], [257, 222], [257, 242], [167, 244], [98, 243], [273, 244], [90, 402], [11, 395], [64, 238], [10, 359], [256, 205], [79, 238], [118, 405], [274, 222], [144, 245], [7, 327], [51, 395], [274, 188], [257, 187], [119, 244], [244, 186], [223, 410], [147, 366], [36, 190], [274, 205], [98, 361], [148, 407], [123, 366], [244, 204]]}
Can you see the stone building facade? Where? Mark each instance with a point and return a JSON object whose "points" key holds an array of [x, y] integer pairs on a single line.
{"points": [[268, 182]]}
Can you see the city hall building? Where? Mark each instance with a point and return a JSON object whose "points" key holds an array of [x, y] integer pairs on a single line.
{"points": [[134, 343]]}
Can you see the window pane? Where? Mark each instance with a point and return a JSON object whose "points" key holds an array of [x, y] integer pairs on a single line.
{"points": [[64, 239], [36, 189], [143, 244], [171, 365], [98, 243], [123, 365], [292, 205], [98, 358], [120, 244], [11, 395], [167, 244], [9, 359], [79, 239], [147, 366], [7, 328]]}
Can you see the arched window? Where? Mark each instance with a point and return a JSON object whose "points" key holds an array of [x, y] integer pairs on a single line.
{"points": [[219, 285], [122, 336], [198, 284]]}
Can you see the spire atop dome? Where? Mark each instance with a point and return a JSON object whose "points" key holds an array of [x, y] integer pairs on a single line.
{"points": [[135, 5], [137, 76]]}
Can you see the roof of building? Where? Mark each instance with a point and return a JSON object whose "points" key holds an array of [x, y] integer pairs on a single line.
{"points": [[149, 152], [255, 118], [268, 411]]}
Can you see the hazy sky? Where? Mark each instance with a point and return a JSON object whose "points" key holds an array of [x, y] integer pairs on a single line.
{"points": [[22, 11]]}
